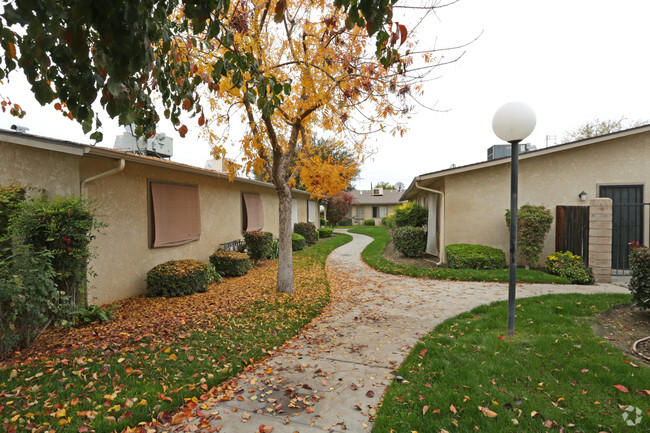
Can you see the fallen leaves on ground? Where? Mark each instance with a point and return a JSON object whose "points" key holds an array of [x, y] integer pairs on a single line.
{"points": [[82, 379]]}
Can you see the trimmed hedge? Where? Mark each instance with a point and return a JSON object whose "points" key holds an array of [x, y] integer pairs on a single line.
{"points": [[308, 231], [345, 222], [410, 241], [325, 232], [369, 222], [179, 278], [231, 263], [298, 242], [470, 256], [258, 244]]}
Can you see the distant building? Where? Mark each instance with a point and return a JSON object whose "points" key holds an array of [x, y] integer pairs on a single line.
{"points": [[373, 203]]}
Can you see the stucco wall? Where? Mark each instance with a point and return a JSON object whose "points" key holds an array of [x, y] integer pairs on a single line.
{"points": [[54, 172], [123, 250], [476, 200]]}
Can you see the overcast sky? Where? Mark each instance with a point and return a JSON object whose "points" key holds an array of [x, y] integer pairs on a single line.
{"points": [[571, 60]]}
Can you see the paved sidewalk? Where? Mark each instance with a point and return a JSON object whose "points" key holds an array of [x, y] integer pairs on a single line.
{"points": [[333, 375]]}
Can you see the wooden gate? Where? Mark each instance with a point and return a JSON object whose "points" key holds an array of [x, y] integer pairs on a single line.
{"points": [[572, 230]]}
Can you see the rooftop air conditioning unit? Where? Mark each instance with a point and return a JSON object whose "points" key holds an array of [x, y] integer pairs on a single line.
{"points": [[159, 146]]}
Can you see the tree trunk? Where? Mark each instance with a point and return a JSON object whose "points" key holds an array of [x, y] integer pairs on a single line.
{"points": [[285, 258]]}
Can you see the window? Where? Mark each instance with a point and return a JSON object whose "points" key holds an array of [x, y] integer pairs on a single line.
{"points": [[252, 212], [312, 211], [294, 212], [379, 211], [176, 214]]}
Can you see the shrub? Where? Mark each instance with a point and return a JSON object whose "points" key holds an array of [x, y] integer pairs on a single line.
{"points": [[470, 256], [369, 222], [322, 222], [230, 263], [410, 241], [410, 214], [275, 249], [10, 199], [29, 299], [93, 313], [325, 232], [345, 222], [570, 266], [258, 244], [308, 231], [179, 278], [640, 275], [533, 222], [64, 227], [297, 242], [389, 220]]}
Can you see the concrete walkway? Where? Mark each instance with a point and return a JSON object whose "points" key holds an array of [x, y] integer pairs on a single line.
{"points": [[333, 375]]}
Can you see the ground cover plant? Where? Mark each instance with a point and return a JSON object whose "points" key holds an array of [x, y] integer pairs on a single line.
{"points": [[372, 255], [157, 354], [553, 375], [474, 256]]}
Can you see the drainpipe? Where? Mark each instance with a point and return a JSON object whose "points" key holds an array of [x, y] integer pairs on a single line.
{"points": [[117, 169], [441, 248]]}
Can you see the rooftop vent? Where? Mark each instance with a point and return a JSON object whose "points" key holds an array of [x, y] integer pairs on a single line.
{"points": [[21, 129], [378, 191]]}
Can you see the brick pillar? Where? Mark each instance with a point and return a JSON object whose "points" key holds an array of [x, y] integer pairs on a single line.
{"points": [[600, 239]]}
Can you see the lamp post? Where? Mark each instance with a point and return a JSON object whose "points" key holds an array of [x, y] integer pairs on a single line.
{"points": [[512, 123]]}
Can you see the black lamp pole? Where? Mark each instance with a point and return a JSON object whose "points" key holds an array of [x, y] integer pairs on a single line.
{"points": [[512, 276]]}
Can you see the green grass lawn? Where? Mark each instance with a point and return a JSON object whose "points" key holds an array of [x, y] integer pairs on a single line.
{"points": [[372, 255], [108, 390], [553, 375]]}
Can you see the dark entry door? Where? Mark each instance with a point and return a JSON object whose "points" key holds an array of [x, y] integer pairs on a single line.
{"points": [[627, 222]]}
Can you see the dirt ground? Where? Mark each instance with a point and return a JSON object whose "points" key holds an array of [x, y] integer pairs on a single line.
{"points": [[621, 326]]}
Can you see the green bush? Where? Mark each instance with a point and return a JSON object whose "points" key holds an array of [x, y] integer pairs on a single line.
{"points": [[470, 256], [308, 231], [179, 278], [369, 222], [258, 244], [325, 232], [345, 222], [93, 313], [409, 241], [275, 250], [533, 222], [65, 227], [640, 275], [29, 299], [322, 222], [389, 220], [410, 214], [570, 266], [297, 242], [10, 199], [230, 263]]}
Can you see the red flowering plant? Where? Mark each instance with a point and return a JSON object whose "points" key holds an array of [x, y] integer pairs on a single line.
{"points": [[640, 274]]}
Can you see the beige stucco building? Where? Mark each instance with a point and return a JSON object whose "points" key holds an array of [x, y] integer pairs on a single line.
{"points": [[373, 203], [155, 210], [467, 204]]}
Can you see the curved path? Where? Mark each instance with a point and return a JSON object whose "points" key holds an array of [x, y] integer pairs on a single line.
{"points": [[333, 375]]}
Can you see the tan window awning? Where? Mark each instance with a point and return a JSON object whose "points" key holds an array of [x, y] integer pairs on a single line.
{"points": [[253, 212], [176, 214]]}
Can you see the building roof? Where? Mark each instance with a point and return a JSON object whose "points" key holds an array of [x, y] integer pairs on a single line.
{"points": [[412, 188], [389, 196], [64, 146]]}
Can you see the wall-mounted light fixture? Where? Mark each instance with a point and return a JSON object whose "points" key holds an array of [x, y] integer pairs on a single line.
{"points": [[583, 196]]}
